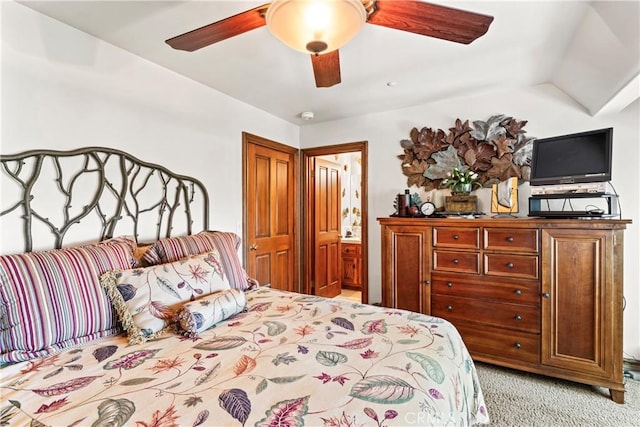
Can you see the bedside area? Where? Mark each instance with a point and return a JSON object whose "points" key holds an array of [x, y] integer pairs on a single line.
{"points": [[351, 264]]}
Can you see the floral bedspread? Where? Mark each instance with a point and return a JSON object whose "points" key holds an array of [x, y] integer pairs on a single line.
{"points": [[291, 360]]}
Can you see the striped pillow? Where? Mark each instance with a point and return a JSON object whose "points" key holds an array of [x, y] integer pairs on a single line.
{"points": [[52, 300], [175, 248]]}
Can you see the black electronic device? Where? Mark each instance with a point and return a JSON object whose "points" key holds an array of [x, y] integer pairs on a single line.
{"points": [[574, 205], [574, 158]]}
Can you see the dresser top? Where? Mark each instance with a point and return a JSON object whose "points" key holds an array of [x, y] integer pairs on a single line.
{"points": [[515, 222]]}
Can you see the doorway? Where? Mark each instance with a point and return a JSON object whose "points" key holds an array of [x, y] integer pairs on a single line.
{"points": [[309, 157]]}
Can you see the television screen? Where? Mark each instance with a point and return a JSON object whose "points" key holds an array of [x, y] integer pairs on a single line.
{"points": [[569, 159]]}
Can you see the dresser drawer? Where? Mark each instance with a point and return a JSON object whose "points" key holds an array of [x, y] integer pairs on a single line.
{"points": [[456, 237], [504, 315], [500, 344], [462, 262], [525, 266], [496, 289], [511, 239]]}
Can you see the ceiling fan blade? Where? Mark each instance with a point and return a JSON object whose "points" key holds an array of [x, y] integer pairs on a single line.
{"points": [[326, 69], [430, 20], [220, 30]]}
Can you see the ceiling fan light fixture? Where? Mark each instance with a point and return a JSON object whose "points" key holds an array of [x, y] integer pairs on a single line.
{"points": [[315, 26]]}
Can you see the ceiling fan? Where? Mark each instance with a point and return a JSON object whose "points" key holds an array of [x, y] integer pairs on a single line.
{"points": [[308, 26]]}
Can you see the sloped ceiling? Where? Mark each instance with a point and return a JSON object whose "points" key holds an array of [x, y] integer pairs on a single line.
{"points": [[588, 50]]}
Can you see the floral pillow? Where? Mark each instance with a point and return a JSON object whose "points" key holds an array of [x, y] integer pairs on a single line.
{"points": [[148, 299], [203, 313]]}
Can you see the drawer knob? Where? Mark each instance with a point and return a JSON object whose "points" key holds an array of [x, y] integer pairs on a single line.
{"points": [[509, 239], [517, 345], [510, 265], [456, 261], [518, 317], [545, 295], [449, 284], [517, 292], [449, 308], [456, 237], [427, 283]]}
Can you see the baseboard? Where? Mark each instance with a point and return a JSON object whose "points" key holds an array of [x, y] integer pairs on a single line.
{"points": [[631, 369]]}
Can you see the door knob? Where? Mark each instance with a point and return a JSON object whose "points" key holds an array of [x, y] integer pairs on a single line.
{"points": [[253, 247]]}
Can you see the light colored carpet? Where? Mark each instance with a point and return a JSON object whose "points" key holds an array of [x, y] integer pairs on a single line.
{"points": [[516, 398]]}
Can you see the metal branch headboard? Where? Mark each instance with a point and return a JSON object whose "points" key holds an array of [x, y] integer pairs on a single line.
{"points": [[107, 186]]}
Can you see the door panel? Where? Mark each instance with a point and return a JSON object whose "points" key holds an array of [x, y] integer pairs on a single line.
{"points": [[327, 228], [269, 210]]}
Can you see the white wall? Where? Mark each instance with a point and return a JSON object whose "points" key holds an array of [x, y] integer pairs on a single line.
{"points": [[549, 112], [64, 89]]}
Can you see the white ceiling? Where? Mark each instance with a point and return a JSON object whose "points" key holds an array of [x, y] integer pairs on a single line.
{"points": [[590, 50]]}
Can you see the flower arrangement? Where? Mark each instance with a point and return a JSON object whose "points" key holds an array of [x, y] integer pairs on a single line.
{"points": [[461, 181]]}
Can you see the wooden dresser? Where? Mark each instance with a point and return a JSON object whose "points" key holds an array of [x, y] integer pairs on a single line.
{"points": [[540, 295]]}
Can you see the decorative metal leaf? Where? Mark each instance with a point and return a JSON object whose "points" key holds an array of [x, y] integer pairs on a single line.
{"points": [[383, 389], [430, 366], [429, 142], [487, 131], [523, 150], [477, 155], [237, 404], [514, 127], [445, 162], [504, 145], [503, 168], [406, 144], [413, 134], [114, 412], [476, 147], [459, 129]]}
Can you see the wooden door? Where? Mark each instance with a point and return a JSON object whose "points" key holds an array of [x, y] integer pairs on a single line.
{"points": [[327, 226], [269, 212], [405, 268], [577, 301]]}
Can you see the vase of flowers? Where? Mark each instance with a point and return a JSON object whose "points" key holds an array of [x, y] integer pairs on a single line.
{"points": [[461, 181]]}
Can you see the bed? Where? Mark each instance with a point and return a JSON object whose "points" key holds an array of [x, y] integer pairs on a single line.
{"points": [[181, 336]]}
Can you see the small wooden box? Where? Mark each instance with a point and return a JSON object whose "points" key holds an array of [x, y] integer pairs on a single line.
{"points": [[461, 203]]}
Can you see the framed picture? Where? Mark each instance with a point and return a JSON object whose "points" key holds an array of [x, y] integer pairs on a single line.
{"points": [[504, 197]]}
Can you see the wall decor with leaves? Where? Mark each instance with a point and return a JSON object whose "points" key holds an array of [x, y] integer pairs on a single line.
{"points": [[496, 149]]}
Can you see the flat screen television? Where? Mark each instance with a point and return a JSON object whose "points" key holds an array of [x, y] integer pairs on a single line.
{"points": [[574, 158]]}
